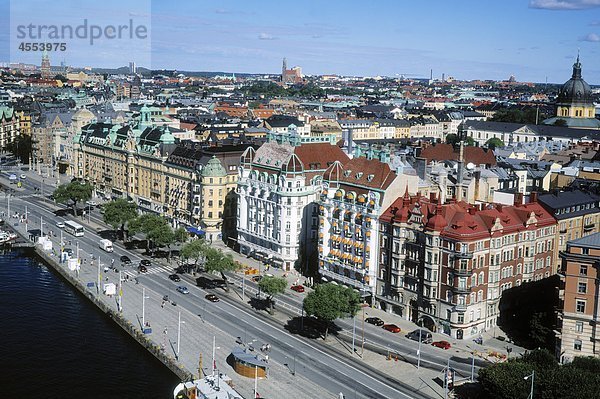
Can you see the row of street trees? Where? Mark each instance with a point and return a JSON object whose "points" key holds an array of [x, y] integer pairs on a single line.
{"points": [[579, 379]]}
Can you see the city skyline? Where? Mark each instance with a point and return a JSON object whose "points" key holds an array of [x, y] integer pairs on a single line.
{"points": [[532, 40]]}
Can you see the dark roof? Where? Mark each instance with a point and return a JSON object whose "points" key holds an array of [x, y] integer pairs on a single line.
{"points": [[566, 199], [591, 241], [283, 121]]}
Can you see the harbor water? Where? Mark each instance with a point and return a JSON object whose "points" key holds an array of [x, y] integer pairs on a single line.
{"points": [[56, 344]]}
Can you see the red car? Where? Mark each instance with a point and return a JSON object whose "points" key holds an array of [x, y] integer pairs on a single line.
{"points": [[442, 344], [297, 288], [392, 328]]}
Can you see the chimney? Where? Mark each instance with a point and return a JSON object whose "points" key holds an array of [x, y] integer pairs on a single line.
{"points": [[472, 210], [518, 199], [533, 197]]}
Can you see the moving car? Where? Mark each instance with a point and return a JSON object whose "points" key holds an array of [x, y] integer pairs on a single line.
{"points": [[425, 336], [392, 328], [212, 297], [183, 289], [142, 268], [125, 260], [174, 277], [60, 225], [375, 321], [68, 251], [442, 344], [145, 262], [23, 176], [91, 203], [297, 288]]}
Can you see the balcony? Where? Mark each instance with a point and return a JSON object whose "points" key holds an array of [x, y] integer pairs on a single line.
{"points": [[462, 272], [460, 307], [460, 290], [589, 226], [462, 255]]}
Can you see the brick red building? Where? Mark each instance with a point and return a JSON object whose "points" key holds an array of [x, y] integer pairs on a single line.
{"points": [[446, 265]]}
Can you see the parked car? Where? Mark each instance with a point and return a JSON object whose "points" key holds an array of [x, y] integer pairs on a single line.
{"points": [[392, 328], [442, 344], [142, 269], [212, 297], [60, 225], [375, 321], [183, 289], [145, 262], [174, 277], [68, 251], [125, 260], [297, 288], [426, 337]]}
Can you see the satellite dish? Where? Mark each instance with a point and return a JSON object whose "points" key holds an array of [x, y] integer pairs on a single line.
{"points": [[470, 166]]}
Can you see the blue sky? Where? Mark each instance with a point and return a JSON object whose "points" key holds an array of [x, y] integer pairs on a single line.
{"points": [[467, 39]]}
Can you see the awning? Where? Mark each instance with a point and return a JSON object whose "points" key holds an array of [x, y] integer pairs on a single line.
{"points": [[195, 230]]}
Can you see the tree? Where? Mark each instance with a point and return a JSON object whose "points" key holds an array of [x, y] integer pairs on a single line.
{"points": [[194, 250], [452, 139], [181, 235], [118, 213], [75, 191], [494, 142], [272, 286], [21, 148], [330, 301], [158, 231]]}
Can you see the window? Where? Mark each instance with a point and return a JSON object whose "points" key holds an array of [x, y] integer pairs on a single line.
{"points": [[583, 270], [580, 306], [581, 288], [579, 326], [577, 344]]}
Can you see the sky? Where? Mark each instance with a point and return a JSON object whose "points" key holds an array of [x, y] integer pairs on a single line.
{"points": [[534, 40]]}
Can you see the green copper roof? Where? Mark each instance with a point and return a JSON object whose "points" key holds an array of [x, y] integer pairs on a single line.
{"points": [[214, 168]]}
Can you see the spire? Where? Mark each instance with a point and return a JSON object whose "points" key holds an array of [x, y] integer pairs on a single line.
{"points": [[577, 68]]}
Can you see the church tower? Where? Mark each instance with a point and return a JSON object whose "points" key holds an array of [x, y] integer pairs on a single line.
{"points": [[575, 104]]}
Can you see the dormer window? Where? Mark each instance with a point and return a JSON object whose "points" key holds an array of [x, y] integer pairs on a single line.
{"points": [[359, 175], [370, 178], [347, 173]]}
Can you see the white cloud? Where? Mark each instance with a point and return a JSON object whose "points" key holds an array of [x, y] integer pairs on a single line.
{"points": [[590, 37], [266, 36], [564, 4]]}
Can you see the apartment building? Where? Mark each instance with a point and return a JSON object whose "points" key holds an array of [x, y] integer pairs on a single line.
{"points": [[354, 195], [277, 191], [577, 213], [9, 126], [445, 266], [578, 333]]}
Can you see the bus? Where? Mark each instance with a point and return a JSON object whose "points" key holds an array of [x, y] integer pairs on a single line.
{"points": [[74, 228]]}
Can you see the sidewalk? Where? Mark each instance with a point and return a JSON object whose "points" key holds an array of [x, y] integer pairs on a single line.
{"points": [[491, 345]]}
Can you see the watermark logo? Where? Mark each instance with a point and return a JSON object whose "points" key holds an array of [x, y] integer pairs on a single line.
{"points": [[55, 35]]}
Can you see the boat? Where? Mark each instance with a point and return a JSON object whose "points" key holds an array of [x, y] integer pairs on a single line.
{"points": [[218, 386]]}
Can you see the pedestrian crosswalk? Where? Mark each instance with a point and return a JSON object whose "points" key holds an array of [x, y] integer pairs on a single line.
{"points": [[157, 269]]}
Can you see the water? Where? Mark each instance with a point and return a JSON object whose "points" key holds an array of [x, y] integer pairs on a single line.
{"points": [[56, 344]]}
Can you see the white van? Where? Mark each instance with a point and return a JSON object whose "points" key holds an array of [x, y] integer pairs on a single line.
{"points": [[106, 245]]}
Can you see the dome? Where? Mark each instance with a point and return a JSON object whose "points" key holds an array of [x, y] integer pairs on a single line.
{"points": [[575, 90], [214, 168], [167, 137]]}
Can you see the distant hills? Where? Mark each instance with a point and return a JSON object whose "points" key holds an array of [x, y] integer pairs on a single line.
{"points": [[168, 72]]}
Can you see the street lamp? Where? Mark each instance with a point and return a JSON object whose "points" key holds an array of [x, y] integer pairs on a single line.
{"points": [[532, 375], [144, 308], [179, 332]]}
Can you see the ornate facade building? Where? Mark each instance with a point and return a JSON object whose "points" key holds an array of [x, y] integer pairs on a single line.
{"points": [[185, 182], [354, 195], [445, 266], [278, 187]]}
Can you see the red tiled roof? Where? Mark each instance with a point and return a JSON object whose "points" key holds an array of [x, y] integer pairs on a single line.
{"points": [[320, 155], [187, 126], [464, 221], [443, 152], [368, 173]]}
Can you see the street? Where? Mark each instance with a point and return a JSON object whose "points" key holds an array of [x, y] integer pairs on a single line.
{"points": [[303, 366]]}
